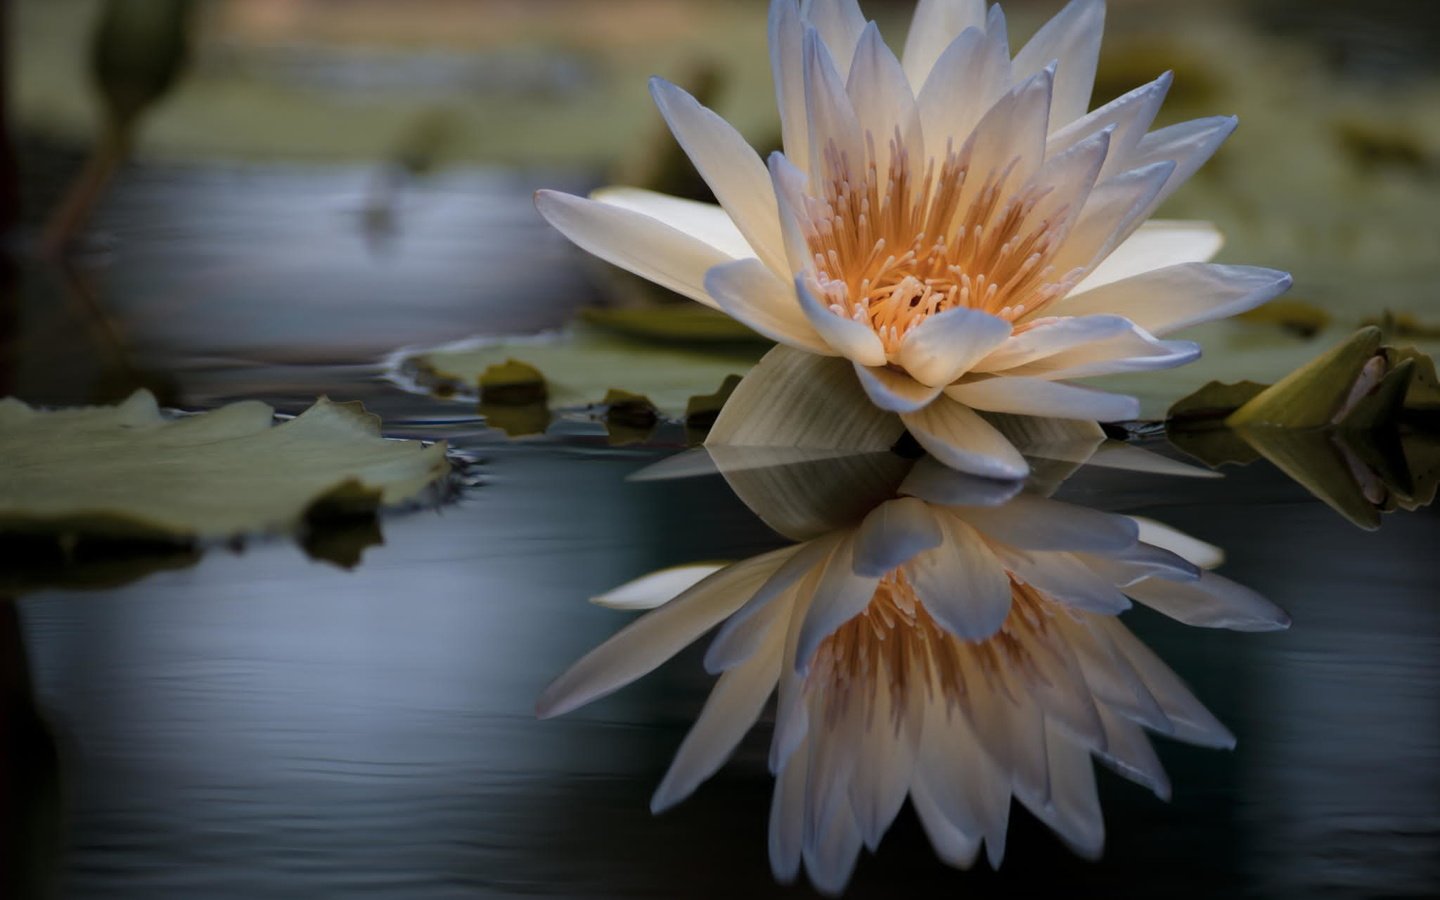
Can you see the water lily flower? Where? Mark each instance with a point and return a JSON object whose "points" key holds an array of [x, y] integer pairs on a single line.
{"points": [[958, 646], [952, 221]]}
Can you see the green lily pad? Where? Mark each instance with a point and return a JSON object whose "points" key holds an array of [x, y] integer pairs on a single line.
{"points": [[582, 368], [127, 472]]}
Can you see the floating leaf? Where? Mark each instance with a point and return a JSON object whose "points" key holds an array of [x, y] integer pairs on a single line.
{"points": [[127, 472], [578, 369]]}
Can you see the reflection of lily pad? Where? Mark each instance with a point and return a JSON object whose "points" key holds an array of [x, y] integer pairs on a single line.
{"points": [[582, 367], [126, 472]]}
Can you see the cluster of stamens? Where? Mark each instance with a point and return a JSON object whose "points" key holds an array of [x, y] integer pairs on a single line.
{"points": [[892, 251], [896, 646]]}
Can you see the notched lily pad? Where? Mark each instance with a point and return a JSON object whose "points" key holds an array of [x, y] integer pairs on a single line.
{"points": [[629, 379], [128, 475]]}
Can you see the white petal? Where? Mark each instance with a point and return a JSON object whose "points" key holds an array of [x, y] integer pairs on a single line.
{"points": [[831, 116], [959, 438], [946, 345], [1007, 147], [953, 846], [996, 29], [748, 291], [937, 483], [970, 77], [787, 67], [1157, 244], [658, 635], [1138, 563], [729, 166], [732, 708], [1188, 145], [936, 24], [831, 858], [1133, 351], [883, 101], [1128, 751], [1170, 299], [1050, 336], [841, 596], [740, 636], [787, 815], [1074, 808], [1115, 208], [1206, 556], [705, 221], [788, 182], [894, 391], [1190, 720], [839, 24], [962, 584], [1030, 522], [845, 336], [635, 242], [892, 533], [1072, 38], [1210, 602], [657, 588], [1129, 115], [1039, 397], [1066, 579]]}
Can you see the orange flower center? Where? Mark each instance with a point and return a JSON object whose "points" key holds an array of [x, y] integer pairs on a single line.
{"points": [[896, 646], [890, 251]]}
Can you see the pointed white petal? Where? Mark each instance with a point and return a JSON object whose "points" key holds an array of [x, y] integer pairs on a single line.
{"points": [[1170, 299], [1190, 720], [946, 345], [658, 635], [953, 846], [1031, 522], [1128, 751], [705, 221], [959, 438], [937, 23], [1206, 556], [1072, 38], [841, 596], [1157, 244], [635, 242], [1188, 145], [961, 583], [892, 534], [1074, 807], [831, 859], [845, 336], [1129, 115], [789, 183], [893, 390], [748, 291], [657, 588], [1065, 579], [1039, 397], [1050, 336], [1116, 207], [833, 124], [969, 78], [740, 636], [732, 708], [729, 166], [1130, 351], [787, 816], [1211, 601], [839, 24], [937, 483], [883, 101], [787, 67], [1138, 563], [1007, 147]]}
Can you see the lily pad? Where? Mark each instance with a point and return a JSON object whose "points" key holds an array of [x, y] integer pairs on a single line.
{"points": [[127, 472], [582, 368]]}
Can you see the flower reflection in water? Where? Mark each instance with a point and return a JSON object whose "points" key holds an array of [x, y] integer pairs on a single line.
{"points": [[959, 645]]}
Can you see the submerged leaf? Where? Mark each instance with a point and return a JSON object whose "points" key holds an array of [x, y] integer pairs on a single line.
{"points": [[127, 472]]}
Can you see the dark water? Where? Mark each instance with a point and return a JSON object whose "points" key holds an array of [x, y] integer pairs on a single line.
{"points": [[264, 724]]}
